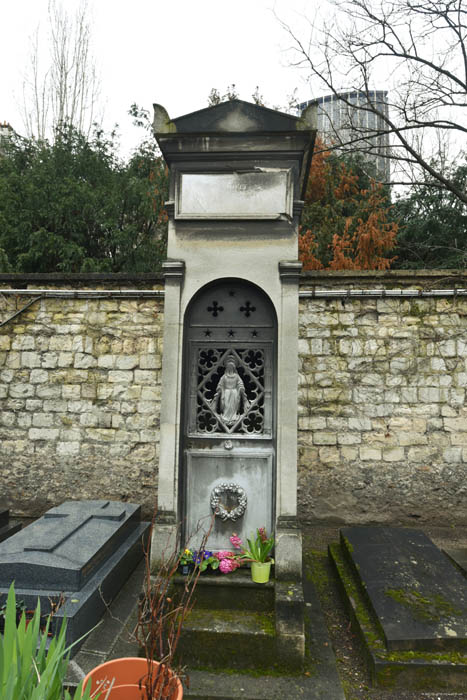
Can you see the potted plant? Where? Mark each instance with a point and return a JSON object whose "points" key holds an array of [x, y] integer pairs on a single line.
{"points": [[257, 553], [186, 565], [228, 561], [205, 561]]}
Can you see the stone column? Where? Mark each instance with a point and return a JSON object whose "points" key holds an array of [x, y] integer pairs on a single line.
{"points": [[288, 534], [165, 533]]}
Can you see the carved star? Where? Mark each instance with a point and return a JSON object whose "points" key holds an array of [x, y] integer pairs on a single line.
{"points": [[207, 333], [231, 333], [254, 334]]}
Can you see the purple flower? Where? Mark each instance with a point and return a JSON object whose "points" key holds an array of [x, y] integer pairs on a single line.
{"points": [[198, 557]]}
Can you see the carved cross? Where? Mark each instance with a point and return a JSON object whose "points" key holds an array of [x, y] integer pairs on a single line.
{"points": [[73, 517], [247, 309], [215, 309]]}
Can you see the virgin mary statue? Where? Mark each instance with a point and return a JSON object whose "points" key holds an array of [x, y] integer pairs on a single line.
{"points": [[229, 394]]}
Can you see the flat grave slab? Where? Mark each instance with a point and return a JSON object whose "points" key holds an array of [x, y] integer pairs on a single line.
{"points": [[79, 555], [417, 595], [437, 670]]}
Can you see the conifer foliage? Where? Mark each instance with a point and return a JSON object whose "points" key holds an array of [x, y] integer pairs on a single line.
{"points": [[346, 222], [72, 205]]}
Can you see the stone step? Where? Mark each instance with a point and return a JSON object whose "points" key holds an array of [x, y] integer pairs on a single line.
{"points": [[205, 685], [232, 591], [9, 529], [318, 680], [228, 639]]}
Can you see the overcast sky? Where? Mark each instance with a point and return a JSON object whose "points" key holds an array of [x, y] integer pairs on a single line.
{"points": [[160, 51]]}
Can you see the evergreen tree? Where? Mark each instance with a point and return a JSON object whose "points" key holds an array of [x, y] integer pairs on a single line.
{"points": [[346, 222], [433, 225], [73, 206]]}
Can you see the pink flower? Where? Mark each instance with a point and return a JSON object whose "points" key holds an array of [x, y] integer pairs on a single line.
{"points": [[224, 554], [227, 565], [262, 534], [236, 541]]}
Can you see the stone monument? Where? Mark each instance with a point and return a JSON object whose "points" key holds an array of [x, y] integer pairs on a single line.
{"points": [[74, 559], [238, 173]]}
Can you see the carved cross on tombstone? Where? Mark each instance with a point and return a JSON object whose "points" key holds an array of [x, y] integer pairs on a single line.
{"points": [[73, 516], [67, 546]]}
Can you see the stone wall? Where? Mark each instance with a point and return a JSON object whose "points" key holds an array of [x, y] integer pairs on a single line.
{"points": [[80, 399], [382, 416]]}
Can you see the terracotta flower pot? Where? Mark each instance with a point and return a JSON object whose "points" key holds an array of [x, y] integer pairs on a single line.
{"points": [[260, 571], [127, 673]]}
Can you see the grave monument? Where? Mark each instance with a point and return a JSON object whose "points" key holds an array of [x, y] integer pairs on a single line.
{"points": [[408, 605], [228, 431], [74, 559], [229, 399]]}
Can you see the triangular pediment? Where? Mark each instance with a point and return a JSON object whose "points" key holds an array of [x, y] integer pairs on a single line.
{"points": [[235, 115]]}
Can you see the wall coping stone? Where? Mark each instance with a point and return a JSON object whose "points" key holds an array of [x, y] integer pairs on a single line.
{"points": [[21, 278], [309, 279], [399, 277]]}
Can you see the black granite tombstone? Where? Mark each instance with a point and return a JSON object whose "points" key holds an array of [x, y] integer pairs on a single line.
{"points": [[78, 554], [417, 595]]}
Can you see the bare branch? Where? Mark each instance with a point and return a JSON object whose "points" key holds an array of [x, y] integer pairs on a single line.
{"points": [[421, 48], [67, 93]]}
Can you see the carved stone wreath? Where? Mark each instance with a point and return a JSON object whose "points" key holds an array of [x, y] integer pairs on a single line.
{"points": [[218, 508]]}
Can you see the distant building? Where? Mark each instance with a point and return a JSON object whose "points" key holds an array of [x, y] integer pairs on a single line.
{"points": [[6, 133], [343, 117]]}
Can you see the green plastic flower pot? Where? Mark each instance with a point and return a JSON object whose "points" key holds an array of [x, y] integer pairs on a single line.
{"points": [[260, 571]]}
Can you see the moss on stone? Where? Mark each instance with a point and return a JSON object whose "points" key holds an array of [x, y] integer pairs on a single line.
{"points": [[417, 669], [422, 607]]}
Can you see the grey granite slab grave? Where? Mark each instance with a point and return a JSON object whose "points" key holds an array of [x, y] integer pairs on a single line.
{"points": [[417, 595], [81, 553]]}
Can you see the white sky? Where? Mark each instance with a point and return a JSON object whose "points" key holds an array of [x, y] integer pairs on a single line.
{"points": [[160, 51]]}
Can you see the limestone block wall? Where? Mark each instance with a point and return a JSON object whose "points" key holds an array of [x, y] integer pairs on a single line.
{"points": [[382, 389], [79, 399], [382, 414]]}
